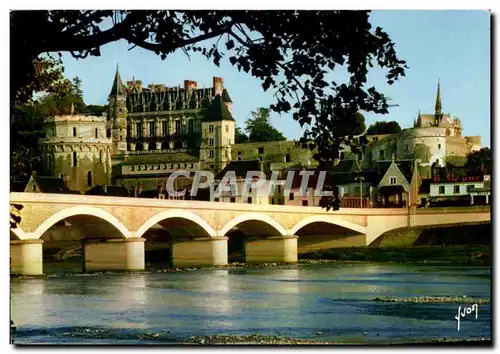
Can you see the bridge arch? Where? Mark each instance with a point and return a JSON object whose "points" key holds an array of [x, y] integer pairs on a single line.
{"points": [[258, 219], [80, 211], [177, 214], [17, 234], [338, 221]]}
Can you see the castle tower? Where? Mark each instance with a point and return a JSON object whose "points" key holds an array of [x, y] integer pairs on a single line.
{"points": [[438, 108], [118, 114], [217, 129], [77, 149]]}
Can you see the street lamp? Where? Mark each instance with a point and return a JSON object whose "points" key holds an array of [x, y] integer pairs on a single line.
{"points": [[360, 179]]}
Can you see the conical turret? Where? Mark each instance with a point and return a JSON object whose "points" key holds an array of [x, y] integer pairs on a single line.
{"points": [[117, 88]]}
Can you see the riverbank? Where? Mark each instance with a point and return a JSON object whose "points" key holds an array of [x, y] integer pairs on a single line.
{"points": [[478, 255], [258, 339]]}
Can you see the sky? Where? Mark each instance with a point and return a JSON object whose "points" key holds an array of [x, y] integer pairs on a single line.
{"points": [[452, 46]]}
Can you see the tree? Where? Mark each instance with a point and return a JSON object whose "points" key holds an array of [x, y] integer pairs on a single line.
{"points": [[289, 51], [96, 110], [360, 126], [383, 127], [422, 152], [240, 136], [259, 127], [480, 160]]}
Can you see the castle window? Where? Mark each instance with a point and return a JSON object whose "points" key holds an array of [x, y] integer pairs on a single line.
{"points": [[441, 189], [261, 150], [211, 166], [152, 129], [164, 128], [304, 203], [74, 131], [211, 142], [108, 133], [381, 155], [139, 147], [239, 158], [139, 130], [290, 196], [239, 153], [249, 200], [232, 200], [227, 128], [210, 153], [210, 128], [393, 180], [75, 161], [177, 127], [96, 133], [133, 168], [456, 189], [89, 178], [152, 146], [439, 146], [287, 157]]}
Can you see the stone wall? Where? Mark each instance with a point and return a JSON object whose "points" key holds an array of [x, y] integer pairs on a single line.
{"points": [[280, 154]]}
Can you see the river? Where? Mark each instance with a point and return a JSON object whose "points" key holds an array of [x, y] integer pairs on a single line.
{"points": [[324, 302]]}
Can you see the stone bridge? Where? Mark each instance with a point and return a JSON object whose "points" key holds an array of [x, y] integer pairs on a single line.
{"points": [[115, 228]]}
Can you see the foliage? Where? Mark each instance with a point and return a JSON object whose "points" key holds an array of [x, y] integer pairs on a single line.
{"points": [[291, 52], [240, 136], [383, 127], [422, 152], [480, 161], [360, 126], [259, 127], [96, 110], [15, 218], [42, 75]]}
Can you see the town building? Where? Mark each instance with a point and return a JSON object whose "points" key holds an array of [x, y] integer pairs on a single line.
{"points": [[151, 131]]}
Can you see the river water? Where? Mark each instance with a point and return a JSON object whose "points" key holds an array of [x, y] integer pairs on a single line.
{"points": [[325, 302]]}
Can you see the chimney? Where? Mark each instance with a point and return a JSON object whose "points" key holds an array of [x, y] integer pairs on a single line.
{"points": [[190, 84], [218, 86]]}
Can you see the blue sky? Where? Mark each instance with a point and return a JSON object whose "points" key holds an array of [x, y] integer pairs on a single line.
{"points": [[453, 46]]}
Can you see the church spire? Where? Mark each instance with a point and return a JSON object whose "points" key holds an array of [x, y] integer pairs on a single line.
{"points": [[438, 107]]}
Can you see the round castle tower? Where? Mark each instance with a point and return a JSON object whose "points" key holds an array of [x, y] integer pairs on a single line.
{"points": [[76, 149]]}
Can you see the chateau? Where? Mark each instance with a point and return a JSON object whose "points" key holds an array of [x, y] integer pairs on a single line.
{"points": [[150, 132]]}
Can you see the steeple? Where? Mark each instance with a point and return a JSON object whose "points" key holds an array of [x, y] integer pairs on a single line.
{"points": [[118, 88], [438, 108]]}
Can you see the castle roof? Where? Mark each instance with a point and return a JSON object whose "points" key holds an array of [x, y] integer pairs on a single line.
{"points": [[225, 96], [118, 88], [240, 168], [217, 111], [175, 157], [115, 191], [51, 185]]}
